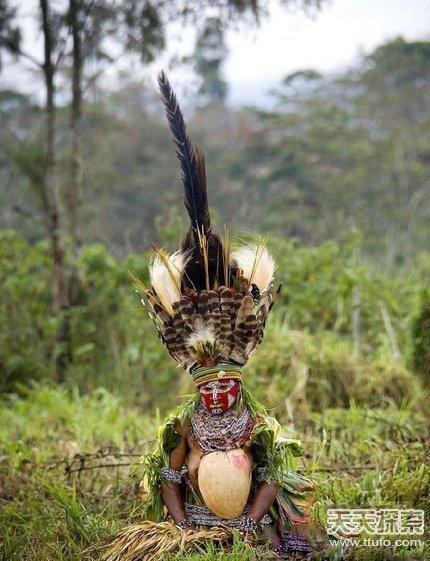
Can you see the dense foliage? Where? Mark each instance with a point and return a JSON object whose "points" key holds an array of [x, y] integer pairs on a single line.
{"points": [[310, 342], [334, 153]]}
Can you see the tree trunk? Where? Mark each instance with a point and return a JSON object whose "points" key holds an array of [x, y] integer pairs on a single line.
{"points": [[395, 351], [74, 197], [52, 202]]}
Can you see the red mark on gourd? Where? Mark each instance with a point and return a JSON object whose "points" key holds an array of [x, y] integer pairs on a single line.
{"points": [[241, 462]]}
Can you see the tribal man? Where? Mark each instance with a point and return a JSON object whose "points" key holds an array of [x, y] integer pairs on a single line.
{"points": [[220, 460]]}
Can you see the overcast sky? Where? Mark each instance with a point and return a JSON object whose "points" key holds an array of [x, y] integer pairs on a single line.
{"points": [[286, 41], [332, 40]]}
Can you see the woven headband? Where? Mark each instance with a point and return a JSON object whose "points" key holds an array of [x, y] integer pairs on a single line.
{"points": [[203, 374]]}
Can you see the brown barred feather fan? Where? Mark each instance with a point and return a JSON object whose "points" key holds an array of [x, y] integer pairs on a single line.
{"points": [[225, 323], [216, 314], [161, 315], [255, 340], [237, 301], [207, 302], [242, 335], [203, 303], [178, 323], [213, 300], [226, 300], [197, 321], [262, 314], [238, 352], [246, 308], [228, 347], [250, 325], [170, 338], [187, 310]]}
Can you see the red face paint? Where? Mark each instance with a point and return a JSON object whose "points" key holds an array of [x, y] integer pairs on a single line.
{"points": [[219, 396]]}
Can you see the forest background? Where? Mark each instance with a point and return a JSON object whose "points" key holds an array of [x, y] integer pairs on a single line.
{"points": [[336, 172]]}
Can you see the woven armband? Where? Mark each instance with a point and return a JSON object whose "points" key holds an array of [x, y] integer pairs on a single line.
{"points": [[171, 475], [247, 524], [261, 475], [185, 524]]}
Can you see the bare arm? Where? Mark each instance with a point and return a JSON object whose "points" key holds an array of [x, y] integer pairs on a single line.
{"points": [[171, 493], [262, 501]]}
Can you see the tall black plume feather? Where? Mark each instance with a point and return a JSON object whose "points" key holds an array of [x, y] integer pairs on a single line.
{"points": [[191, 159]]}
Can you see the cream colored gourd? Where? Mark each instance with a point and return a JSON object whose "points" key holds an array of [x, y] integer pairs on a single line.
{"points": [[225, 482]]}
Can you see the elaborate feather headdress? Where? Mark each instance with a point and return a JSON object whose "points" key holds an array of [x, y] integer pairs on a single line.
{"points": [[209, 303]]}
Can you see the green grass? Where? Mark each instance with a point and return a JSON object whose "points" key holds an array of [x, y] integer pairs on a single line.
{"points": [[49, 511], [239, 551], [58, 422]]}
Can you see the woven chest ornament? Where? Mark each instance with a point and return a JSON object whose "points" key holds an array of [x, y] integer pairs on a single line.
{"points": [[209, 301]]}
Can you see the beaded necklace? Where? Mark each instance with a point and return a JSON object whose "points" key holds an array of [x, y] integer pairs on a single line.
{"points": [[227, 431]]}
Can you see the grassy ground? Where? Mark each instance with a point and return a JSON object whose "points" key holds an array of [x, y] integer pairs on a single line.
{"points": [[65, 484]]}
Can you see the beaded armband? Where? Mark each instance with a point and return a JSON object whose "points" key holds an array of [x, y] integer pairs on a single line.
{"points": [[295, 543], [279, 550], [247, 524], [171, 475], [261, 475], [184, 524]]}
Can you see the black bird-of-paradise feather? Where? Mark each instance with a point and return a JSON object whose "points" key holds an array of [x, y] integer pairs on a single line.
{"points": [[190, 158], [193, 173]]}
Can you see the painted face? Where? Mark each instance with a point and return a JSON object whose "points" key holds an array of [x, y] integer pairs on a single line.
{"points": [[218, 396]]}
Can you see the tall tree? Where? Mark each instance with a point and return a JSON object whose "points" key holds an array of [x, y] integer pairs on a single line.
{"points": [[95, 27], [51, 196], [75, 187], [46, 182]]}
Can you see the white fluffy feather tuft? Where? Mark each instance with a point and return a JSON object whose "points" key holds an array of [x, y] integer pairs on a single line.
{"points": [[257, 264], [202, 334], [165, 272]]}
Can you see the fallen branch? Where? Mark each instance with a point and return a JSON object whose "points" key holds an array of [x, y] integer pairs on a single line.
{"points": [[98, 466]]}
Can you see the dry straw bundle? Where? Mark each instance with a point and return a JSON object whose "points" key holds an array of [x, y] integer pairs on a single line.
{"points": [[151, 541]]}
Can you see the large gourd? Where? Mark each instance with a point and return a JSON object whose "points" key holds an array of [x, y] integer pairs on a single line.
{"points": [[225, 482]]}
